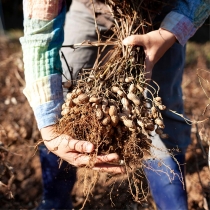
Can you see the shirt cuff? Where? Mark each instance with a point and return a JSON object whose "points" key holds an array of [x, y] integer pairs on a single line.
{"points": [[48, 114], [45, 96], [179, 25]]}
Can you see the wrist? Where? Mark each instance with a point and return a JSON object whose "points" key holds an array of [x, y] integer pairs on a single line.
{"points": [[48, 132], [167, 36]]}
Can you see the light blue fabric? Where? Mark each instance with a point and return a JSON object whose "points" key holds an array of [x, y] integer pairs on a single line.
{"points": [[41, 44], [196, 10], [166, 180], [185, 18], [48, 113]]}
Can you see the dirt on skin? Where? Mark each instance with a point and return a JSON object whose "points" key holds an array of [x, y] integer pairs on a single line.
{"points": [[19, 134]]}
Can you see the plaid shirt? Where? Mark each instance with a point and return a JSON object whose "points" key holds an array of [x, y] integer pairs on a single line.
{"points": [[43, 37]]}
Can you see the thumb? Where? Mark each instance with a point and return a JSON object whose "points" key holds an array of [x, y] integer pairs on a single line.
{"points": [[137, 40]]}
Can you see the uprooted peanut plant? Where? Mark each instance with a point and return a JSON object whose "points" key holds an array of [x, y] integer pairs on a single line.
{"points": [[108, 105]]}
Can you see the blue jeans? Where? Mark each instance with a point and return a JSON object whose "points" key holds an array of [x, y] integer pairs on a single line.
{"points": [[167, 72]]}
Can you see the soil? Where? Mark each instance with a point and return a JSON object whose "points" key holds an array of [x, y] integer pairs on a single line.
{"points": [[19, 134]]}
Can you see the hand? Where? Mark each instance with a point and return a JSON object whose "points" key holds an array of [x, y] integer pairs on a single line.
{"points": [[75, 151], [155, 44]]}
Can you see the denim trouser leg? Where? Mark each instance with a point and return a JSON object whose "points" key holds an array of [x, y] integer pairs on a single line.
{"points": [[164, 174], [57, 181], [167, 73]]}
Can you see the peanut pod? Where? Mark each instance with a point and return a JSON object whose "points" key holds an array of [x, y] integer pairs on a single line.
{"points": [[65, 111], [63, 106], [69, 103], [112, 110], [127, 122], [159, 122], [135, 99], [115, 89], [121, 93], [78, 91], [162, 107], [114, 120], [131, 88], [95, 99], [76, 101], [157, 101], [83, 98], [105, 109], [106, 120], [69, 96], [125, 102], [99, 114], [153, 110]]}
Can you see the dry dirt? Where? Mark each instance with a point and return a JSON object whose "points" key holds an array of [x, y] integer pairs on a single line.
{"points": [[19, 134]]}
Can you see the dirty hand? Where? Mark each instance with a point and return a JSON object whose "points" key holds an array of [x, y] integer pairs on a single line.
{"points": [[155, 44], [75, 151]]}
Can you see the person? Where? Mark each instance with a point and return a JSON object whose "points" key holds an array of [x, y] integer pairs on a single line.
{"points": [[165, 53]]}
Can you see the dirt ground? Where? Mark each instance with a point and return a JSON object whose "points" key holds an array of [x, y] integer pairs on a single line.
{"points": [[19, 135]]}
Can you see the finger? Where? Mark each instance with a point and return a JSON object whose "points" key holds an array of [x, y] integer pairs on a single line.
{"points": [[65, 143], [104, 167], [80, 146], [113, 157], [77, 159], [82, 159], [134, 40]]}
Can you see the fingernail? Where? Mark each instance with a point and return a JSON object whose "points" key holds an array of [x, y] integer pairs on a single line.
{"points": [[88, 147]]}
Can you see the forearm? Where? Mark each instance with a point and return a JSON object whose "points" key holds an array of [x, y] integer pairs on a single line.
{"points": [[184, 20], [43, 37]]}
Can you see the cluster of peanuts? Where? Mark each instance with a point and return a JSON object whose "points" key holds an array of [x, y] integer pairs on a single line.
{"points": [[105, 110], [127, 106]]}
